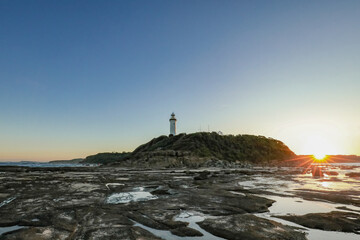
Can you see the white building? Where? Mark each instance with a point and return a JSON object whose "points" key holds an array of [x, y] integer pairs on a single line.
{"points": [[172, 121]]}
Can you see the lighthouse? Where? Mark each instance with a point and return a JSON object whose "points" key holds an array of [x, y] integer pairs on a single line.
{"points": [[172, 121]]}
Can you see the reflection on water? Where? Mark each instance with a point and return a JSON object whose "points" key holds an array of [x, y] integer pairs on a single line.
{"points": [[299, 206], [192, 218], [288, 184], [9, 229], [7, 201], [326, 184], [333, 180], [314, 234], [124, 197]]}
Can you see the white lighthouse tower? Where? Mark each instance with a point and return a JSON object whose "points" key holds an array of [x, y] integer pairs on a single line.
{"points": [[172, 121]]}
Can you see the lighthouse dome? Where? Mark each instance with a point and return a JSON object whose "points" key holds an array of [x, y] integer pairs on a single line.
{"points": [[173, 117]]}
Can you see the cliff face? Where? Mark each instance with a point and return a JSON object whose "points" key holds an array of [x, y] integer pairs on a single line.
{"points": [[209, 149]]}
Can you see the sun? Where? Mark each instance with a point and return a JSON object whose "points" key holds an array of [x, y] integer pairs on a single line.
{"points": [[319, 147], [319, 156]]}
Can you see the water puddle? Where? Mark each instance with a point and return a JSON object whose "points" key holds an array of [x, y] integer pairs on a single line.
{"points": [[191, 218], [328, 183], [59, 199], [9, 229], [299, 206], [137, 195], [334, 180], [113, 184], [238, 193], [161, 233], [273, 184], [182, 177], [7, 201], [313, 234], [122, 179]]}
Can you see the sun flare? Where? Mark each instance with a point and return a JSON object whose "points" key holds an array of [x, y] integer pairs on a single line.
{"points": [[319, 147], [319, 156]]}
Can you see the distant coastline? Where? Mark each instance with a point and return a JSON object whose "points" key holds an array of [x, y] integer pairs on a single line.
{"points": [[43, 164], [75, 160], [337, 158]]}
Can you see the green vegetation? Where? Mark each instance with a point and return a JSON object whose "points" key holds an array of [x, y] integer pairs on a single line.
{"points": [[76, 160], [249, 148], [105, 158], [229, 147]]}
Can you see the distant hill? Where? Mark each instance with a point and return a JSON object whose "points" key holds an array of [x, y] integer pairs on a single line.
{"points": [[206, 150], [105, 158], [343, 158], [199, 149], [227, 147]]}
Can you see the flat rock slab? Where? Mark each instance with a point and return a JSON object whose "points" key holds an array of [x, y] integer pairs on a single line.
{"points": [[250, 227], [105, 233], [332, 221], [338, 197], [72, 203]]}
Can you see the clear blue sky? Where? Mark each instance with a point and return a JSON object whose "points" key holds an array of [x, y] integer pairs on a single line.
{"points": [[81, 77]]}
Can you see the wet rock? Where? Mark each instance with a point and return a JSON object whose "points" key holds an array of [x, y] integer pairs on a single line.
{"points": [[159, 219], [161, 192], [95, 216], [333, 179], [246, 226], [35, 233], [140, 233], [145, 220], [186, 232], [343, 167], [174, 224], [124, 233], [8, 222], [353, 174], [336, 197], [317, 171], [332, 221], [65, 221], [347, 209], [109, 218], [219, 202], [202, 175], [72, 203]]}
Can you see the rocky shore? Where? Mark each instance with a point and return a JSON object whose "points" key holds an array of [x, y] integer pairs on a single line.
{"points": [[215, 203]]}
